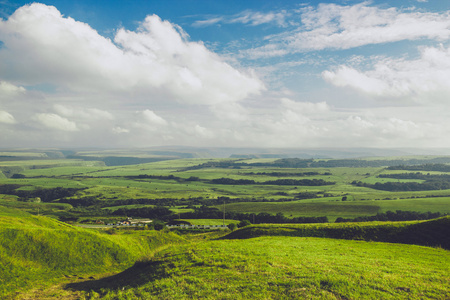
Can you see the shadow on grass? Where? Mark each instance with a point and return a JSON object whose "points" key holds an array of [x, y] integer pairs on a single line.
{"points": [[139, 274]]}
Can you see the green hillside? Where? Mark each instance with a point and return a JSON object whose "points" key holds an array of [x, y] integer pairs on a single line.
{"points": [[36, 250], [46, 259], [281, 267]]}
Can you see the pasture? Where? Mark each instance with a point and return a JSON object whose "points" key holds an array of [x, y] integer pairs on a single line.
{"points": [[272, 262], [49, 259], [183, 184]]}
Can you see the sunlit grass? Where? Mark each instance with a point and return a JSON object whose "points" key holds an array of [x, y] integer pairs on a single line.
{"points": [[287, 268]]}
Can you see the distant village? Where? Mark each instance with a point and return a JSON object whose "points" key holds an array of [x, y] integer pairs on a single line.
{"points": [[131, 222], [143, 222]]}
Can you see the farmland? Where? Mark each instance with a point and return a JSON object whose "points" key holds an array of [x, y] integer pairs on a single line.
{"points": [[292, 187], [45, 254]]}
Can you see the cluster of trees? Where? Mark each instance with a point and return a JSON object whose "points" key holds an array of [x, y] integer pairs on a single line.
{"points": [[287, 174], [46, 195], [162, 177], [416, 175], [229, 181], [398, 215], [406, 186], [233, 181], [205, 212], [424, 167], [301, 182]]}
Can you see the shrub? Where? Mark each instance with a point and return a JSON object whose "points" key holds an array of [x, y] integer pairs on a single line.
{"points": [[244, 223], [232, 226]]}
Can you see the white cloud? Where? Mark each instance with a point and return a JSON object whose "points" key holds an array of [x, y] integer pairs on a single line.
{"points": [[203, 132], [8, 89], [153, 119], [305, 107], [86, 114], [207, 22], [230, 112], [6, 118], [153, 86], [247, 17], [42, 46], [55, 121], [258, 18], [398, 77], [119, 130], [331, 26]]}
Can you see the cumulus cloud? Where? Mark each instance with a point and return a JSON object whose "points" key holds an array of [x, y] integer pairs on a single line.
{"points": [[332, 26], [42, 46], [151, 118], [399, 77], [6, 118], [149, 121], [54, 121], [154, 86], [9, 89]]}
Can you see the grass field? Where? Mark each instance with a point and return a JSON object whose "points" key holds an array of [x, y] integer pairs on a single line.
{"points": [[284, 268], [278, 266], [334, 208], [113, 183], [39, 251], [41, 258]]}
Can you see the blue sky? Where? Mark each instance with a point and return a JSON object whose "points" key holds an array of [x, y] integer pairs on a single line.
{"points": [[225, 73]]}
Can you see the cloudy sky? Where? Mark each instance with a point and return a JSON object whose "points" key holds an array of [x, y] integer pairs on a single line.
{"points": [[254, 73]]}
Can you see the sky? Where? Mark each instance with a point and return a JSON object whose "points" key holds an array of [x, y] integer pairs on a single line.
{"points": [[278, 74]]}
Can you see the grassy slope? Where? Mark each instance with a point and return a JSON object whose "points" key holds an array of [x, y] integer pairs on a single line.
{"points": [[281, 267], [276, 264], [40, 250]]}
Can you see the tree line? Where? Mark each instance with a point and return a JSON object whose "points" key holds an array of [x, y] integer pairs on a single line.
{"points": [[406, 186], [301, 182], [398, 215], [422, 167], [46, 195], [416, 175], [286, 174]]}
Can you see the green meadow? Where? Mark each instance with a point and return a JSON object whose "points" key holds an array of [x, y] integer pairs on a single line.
{"points": [[41, 258], [53, 246]]}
